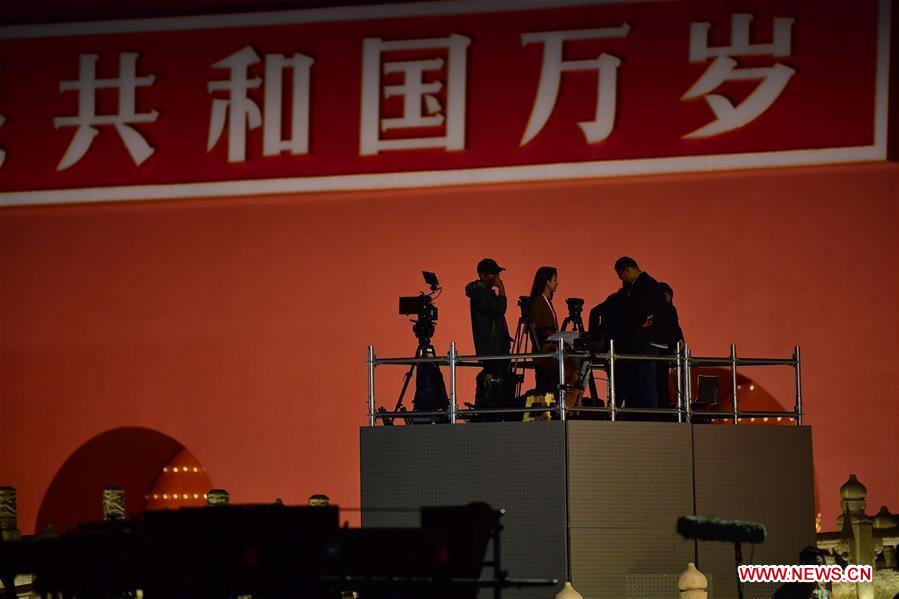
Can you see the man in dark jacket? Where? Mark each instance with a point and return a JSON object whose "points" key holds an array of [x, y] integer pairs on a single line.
{"points": [[670, 333], [645, 320], [488, 315], [606, 319], [491, 333], [606, 323]]}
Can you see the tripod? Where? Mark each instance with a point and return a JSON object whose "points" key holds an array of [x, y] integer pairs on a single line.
{"points": [[430, 389], [525, 335], [586, 371]]}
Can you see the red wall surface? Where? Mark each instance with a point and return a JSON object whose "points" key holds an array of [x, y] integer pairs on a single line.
{"points": [[239, 327]]}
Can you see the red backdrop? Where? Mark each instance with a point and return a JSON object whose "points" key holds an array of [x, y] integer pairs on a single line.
{"points": [[239, 327]]}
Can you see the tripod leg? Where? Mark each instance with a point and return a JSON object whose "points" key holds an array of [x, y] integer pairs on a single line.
{"points": [[406, 378], [388, 420], [594, 394], [521, 370], [519, 346]]}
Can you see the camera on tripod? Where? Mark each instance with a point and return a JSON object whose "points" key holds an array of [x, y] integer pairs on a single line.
{"points": [[524, 302], [575, 307], [422, 306], [587, 341], [430, 390]]}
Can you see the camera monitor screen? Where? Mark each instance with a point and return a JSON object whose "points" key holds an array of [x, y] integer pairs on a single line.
{"points": [[430, 278]]}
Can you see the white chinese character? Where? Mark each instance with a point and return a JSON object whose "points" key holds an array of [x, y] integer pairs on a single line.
{"points": [[551, 71], [724, 68], [87, 86], [417, 95], [242, 113]]}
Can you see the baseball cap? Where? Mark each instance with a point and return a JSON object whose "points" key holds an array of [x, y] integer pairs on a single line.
{"points": [[489, 266]]}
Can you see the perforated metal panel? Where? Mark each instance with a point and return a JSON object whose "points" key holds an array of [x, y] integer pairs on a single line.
{"points": [[603, 558], [756, 473], [515, 466], [630, 474], [628, 481], [654, 586]]}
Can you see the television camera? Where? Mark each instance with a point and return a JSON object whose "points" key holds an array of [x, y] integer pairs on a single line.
{"points": [[422, 306], [430, 389]]}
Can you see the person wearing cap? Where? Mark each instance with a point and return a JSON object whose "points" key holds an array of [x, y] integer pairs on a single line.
{"points": [[487, 299]]}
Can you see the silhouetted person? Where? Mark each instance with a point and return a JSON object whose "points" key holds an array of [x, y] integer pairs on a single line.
{"points": [[490, 332], [605, 323], [606, 319], [643, 321], [546, 323], [812, 556], [669, 332]]}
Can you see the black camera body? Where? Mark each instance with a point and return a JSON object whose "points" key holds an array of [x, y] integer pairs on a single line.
{"points": [[524, 302], [423, 308], [575, 305], [593, 342]]}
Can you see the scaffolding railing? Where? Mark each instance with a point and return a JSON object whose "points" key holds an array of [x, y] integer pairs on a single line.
{"points": [[682, 360]]}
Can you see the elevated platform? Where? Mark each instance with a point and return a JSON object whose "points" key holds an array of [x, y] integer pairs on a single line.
{"points": [[610, 492]]}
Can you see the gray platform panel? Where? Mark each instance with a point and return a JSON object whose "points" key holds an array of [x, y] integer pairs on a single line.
{"points": [[656, 586], [629, 483], [757, 473], [515, 466]]}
